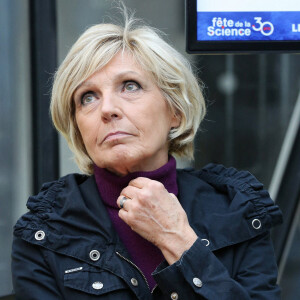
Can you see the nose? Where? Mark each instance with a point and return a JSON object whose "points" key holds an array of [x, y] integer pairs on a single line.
{"points": [[110, 107]]}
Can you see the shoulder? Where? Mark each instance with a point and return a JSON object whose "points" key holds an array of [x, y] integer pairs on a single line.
{"points": [[227, 203], [52, 197], [226, 184], [57, 188], [218, 179], [222, 178]]}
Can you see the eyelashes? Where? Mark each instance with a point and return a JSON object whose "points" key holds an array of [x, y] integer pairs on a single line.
{"points": [[131, 86], [87, 98], [128, 87]]}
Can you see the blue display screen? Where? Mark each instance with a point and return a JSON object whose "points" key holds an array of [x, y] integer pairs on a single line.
{"points": [[219, 21]]}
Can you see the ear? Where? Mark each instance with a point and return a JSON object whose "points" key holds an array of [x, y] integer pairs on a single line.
{"points": [[176, 120]]}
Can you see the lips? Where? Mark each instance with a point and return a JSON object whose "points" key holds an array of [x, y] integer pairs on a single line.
{"points": [[115, 135]]}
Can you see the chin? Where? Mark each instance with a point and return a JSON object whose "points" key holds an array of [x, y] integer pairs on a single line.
{"points": [[121, 162]]}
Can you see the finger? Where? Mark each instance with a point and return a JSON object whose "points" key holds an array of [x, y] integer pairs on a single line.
{"points": [[129, 192], [139, 182], [174, 197], [122, 202], [123, 215]]}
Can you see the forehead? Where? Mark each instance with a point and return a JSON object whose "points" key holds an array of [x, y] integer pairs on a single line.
{"points": [[122, 59], [123, 63]]}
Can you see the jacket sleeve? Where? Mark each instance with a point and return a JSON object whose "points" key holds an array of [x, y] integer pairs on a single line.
{"points": [[32, 279], [199, 274]]}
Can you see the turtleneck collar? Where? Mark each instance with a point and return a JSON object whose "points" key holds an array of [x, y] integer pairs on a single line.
{"points": [[110, 185]]}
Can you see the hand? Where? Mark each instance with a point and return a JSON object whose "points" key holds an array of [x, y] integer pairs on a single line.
{"points": [[156, 215]]}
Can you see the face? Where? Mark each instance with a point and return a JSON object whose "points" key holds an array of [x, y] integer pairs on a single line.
{"points": [[123, 118]]}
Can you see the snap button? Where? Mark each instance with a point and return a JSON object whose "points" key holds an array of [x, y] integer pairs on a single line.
{"points": [[205, 241], [174, 296], [97, 285], [134, 282], [256, 224], [197, 282], [39, 235], [94, 255]]}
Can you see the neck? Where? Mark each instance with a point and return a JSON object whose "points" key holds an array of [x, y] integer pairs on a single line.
{"points": [[110, 184], [146, 165]]}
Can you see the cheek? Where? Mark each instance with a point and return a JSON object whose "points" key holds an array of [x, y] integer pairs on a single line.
{"points": [[155, 123], [87, 130], [155, 131]]}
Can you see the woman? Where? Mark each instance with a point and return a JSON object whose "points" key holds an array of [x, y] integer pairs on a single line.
{"points": [[134, 227]]}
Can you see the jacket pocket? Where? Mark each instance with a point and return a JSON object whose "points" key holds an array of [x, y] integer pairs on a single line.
{"points": [[95, 282]]}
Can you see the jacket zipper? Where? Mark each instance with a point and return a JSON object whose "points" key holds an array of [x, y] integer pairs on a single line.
{"points": [[141, 272]]}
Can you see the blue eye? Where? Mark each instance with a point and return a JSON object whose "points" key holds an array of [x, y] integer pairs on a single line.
{"points": [[87, 98], [131, 86]]}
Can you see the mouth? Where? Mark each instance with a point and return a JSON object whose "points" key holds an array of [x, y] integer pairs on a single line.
{"points": [[115, 136]]}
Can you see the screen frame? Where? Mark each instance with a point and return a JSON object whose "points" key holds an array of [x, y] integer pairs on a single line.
{"points": [[193, 46]]}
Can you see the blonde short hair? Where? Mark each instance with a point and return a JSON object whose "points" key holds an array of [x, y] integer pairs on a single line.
{"points": [[170, 70]]}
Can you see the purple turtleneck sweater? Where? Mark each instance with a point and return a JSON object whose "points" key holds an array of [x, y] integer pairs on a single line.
{"points": [[144, 254]]}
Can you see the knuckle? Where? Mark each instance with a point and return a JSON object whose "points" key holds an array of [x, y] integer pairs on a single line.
{"points": [[125, 190], [133, 181], [155, 185], [144, 195], [134, 206]]}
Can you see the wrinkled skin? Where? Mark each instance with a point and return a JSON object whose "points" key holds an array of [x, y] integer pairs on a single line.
{"points": [[157, 215], [124, 122]]}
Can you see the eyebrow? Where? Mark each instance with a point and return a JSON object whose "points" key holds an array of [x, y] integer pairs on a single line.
{"points": [[118, 76]]}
